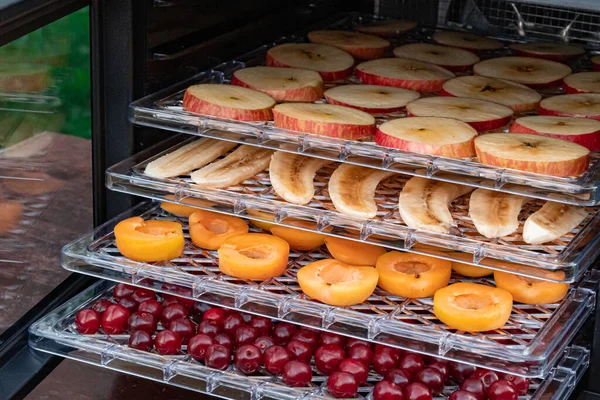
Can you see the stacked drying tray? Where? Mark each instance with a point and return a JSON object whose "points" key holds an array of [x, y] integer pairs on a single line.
{"points": [[457, 217]]}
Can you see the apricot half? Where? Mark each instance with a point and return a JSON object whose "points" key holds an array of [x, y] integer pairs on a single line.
{"points": [[181, 209], [335, 283], [532, 291], [151, 240], [472, 307], [255, 256], [469, 270], [412, 275], [351, 252], [266, 226], [208, 230], [299, 239]]}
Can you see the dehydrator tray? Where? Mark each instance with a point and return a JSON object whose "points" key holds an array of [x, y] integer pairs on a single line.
{"points": [[256, 199], [533, 338], [164, 110]]}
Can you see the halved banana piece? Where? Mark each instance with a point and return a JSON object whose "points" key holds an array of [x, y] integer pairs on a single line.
{"points": [[245, 162], [495, 214], [352, 190], [188, 158], [552, 221], [424, 203], [292, 176]]}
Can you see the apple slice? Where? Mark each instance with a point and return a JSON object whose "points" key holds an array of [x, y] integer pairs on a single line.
{"points": [[532, 153], [583, 131], [547, 51], [585, 105], [332, 63], [480, 114], [450, 58], [467, 41], [324, 119], [518, 97], [403, 73], [371, 98], [596, 63], [358, 45], [430, 135], [282, 84], [228, 101], [533, 72], [390, 27], [582, 82]]}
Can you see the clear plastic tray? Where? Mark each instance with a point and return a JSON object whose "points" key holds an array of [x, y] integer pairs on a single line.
{"points": [[572, 253], [164, 110], [534, 337], [56, 334]]}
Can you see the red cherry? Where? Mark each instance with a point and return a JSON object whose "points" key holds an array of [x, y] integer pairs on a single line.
{"points": [[151, 306], [215, 314], [141, 295], [474, 385], [167, 342], [442, 367], [171, 313], [309, 337], [521, 383], [101, 305], [224, 340], [168, 302], [264, 342], [296, 373], [398, 377], [197, 311], [385, 390], [197, 346], [232, 322], [248, 359], [283, 333], [384, 359], [264, 325], [130, 304], [331, 338], [432, 378], [141, 321], [352, 341], [122, 290], [275, 358], [431, 359], [87, 321], [140, 340], [327, 357], [168, 287], [189, 303], [114, 319], [361, 352], [417, 391], [217, 357], [486, 376], [356, 368], [460, 372], [245, 335], [399, 353], [209, 328], [342, 384], [462, 395], [184, 328], [502, 390], [300, 350], [412, 363]]}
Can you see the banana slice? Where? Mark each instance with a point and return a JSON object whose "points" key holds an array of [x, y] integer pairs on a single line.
{"points": [[495, 214], [188, 158], [424, 203], [245, 162], [352, 190], [552, 221], [292, 176]]}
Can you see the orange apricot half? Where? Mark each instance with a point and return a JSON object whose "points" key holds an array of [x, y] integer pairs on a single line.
{"points": [[208, 230], [533, 291], [151, 240], [469, 270], [181, 209], [351, 252], [297, 238], [255, 256], [266, 226], [335, 283], [412, 275], [472, 307]]}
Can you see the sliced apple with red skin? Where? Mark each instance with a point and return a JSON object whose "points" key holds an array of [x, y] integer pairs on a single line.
{"points": [[585, 105], [532, 153], [582, 82], [282, 84], [332, 63], [533, 72], [403, 73], [387, 28], [324, 119], [467, 41], [373, 99], [583, 131], [445, 137], [518, 97], [358, 45], [547, 51], [453, 59], [480, 114], [228, 101], [596, 63]]}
